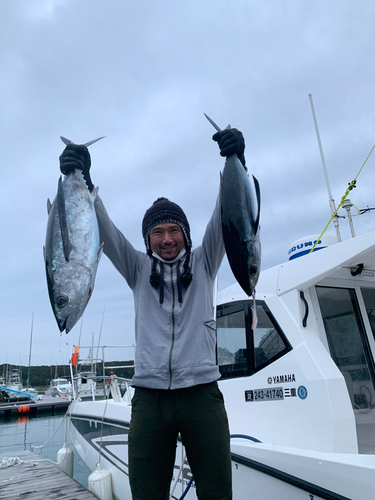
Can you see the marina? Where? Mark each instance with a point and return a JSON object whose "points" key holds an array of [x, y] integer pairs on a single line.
{"points": [[28, 475], [46, 406], [45, 435]]}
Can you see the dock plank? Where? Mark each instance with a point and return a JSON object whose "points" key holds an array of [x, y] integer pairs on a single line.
{"points": [[36, 478]]}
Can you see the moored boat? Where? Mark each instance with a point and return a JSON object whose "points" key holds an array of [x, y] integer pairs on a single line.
{"points": [[60, 387], [299, 389]]}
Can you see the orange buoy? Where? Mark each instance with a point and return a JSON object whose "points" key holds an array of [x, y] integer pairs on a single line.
{"points": [[23, 409]]}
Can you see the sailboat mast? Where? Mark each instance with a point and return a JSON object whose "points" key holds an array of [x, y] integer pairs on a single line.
{"points": [[331, 200], [31, 341]]}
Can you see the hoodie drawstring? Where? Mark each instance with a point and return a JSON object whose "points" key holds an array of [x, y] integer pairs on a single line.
{"points": [[157, 278], [179, 290], [161, 286]]}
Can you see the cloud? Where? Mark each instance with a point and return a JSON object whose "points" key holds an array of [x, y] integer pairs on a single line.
{"points": [[143, 74]]}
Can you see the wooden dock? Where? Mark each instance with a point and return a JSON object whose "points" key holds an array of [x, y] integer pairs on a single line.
{"points": [[49, 406], [37, 478]]}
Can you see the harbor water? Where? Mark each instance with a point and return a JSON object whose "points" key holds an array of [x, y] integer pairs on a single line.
{"points": [[49, 433]]}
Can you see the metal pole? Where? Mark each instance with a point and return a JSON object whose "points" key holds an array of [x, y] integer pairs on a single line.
{"points": [[347, 205], [331, 200], [31, 340]]}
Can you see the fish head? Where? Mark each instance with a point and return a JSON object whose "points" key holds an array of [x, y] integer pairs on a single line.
{"points": [[70, 297]]}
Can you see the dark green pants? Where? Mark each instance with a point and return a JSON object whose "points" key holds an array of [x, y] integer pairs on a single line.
{"points": [[199, 415]]}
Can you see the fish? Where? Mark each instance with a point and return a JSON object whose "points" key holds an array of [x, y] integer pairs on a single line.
{"points": [[72, 248], [239, 198], [240, 215]]}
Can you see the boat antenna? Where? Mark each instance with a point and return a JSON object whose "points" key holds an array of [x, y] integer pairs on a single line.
{"points": [[347, 205], [331, 200], [100, 333], [80, 332], [351, 185]]}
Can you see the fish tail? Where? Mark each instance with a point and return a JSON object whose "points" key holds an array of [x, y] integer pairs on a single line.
{"points": [[254, 311]]}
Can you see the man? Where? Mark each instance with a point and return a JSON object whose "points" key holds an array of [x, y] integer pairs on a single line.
{"points": [[176, 373]]}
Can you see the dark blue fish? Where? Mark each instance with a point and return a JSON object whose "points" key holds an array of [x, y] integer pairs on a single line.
{"points": [[240, 212]]}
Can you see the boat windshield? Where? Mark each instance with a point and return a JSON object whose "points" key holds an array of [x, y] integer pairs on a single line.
{"points": [[59, 381], [242, 351]]}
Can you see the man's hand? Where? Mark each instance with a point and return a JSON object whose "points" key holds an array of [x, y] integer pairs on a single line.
{"points": [[231, 141], [74, 157]]}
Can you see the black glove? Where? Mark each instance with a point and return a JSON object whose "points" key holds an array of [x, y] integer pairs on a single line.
{"points": [[231, 141], [74, 157]]}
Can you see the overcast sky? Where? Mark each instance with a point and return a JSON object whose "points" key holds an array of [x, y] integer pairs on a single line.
{"points": [[143, 73]]}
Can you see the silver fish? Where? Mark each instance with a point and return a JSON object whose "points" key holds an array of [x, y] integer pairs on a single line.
{"points": [[240, 214], [72, 249]]}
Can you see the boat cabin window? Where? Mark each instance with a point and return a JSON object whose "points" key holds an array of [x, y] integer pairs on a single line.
{"points": [[242, 351], [368, 295], [347, 340]]}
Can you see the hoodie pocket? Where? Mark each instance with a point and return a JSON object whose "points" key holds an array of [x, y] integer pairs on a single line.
{"points": [[211, 324]]}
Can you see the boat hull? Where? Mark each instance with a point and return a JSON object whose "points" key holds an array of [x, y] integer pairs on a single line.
{"points": [[302, 382], [262, 470]]}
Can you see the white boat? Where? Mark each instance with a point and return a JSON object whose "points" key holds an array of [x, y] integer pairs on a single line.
{"points": [[60, 387], [30, 390], [91, 373], [89, 386], [299, 389], [14, 380]]}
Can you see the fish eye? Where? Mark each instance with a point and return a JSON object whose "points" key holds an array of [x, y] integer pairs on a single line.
{"points": [[62, 300], [253, 270]]}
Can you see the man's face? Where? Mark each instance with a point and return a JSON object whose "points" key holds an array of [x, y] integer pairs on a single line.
{"points": [[167, 240]]}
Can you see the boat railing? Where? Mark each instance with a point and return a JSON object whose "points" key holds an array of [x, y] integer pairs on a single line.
{"points": [[87, 361]]}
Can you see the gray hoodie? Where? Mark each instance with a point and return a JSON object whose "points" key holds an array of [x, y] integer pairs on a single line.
{"points": [[175, 342]]}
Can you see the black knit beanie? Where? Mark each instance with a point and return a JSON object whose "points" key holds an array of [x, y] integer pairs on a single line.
{"points": [[162, 211]]}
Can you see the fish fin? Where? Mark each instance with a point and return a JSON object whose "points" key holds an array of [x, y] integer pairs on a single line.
{"points": [[214, 124], [87, 144], [65, 140], [257, 191], [49, 205], [67, 246], [94, 193], [44, 253], [100, 251], [216, 127], [254, 313]]}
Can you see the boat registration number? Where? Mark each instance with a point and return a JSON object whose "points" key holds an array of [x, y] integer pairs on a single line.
{"points": [[274, 394]]}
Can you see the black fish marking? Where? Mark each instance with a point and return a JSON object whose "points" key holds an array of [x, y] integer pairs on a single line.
{"points": [[49, 282], [67, 246], [255, 224]]}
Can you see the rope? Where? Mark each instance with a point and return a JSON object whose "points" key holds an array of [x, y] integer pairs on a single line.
{"points": [[232, 436], [15, 461], [102, 423], [10, 462], [352, 185], [32, 447]]}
